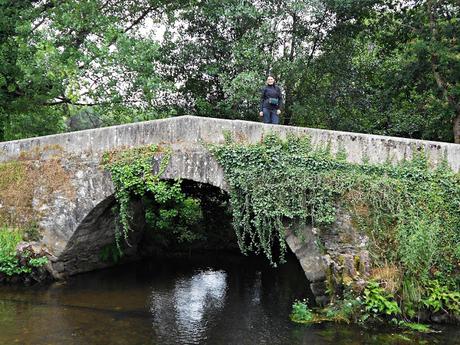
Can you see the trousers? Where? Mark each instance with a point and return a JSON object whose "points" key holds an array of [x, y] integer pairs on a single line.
{"points": [[270, 116]]}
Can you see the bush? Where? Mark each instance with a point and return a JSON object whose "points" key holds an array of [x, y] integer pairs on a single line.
{"points": [[301, 313], [10, 263], [378, 302], [441, 298]]}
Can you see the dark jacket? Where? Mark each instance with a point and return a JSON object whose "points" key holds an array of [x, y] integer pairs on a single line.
{"points": [[270, 91]]}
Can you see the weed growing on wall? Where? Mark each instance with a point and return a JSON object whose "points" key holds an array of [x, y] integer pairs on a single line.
{"points": [[29, 181], [410, 212]]}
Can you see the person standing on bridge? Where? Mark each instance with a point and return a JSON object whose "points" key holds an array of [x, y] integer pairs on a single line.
{"points": [[270, 102]]}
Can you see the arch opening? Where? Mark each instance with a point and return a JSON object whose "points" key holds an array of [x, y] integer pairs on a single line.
{"points": [[199, 221], [92, 245]]}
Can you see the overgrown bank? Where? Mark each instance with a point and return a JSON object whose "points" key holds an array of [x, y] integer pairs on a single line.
{"points": [[409, 212]]}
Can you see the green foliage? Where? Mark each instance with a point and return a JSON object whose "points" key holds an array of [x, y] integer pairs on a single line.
{"points": [[38, 262], [408, 206], [80, 64], [174, 216], [345, 310], [378, 302], [32, 232], [131, 172], [10, 263], [375, 304], [110, 253], [273, 181], [301, 313], [414, 326], [75, 64], [441, 298], [168, 208]]}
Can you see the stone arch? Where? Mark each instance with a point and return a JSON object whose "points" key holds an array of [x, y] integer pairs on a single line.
{"points": [[200, 166], [189, 163], [95, 224], [96, 231]]}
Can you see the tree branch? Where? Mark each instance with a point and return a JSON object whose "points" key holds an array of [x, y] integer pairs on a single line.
{"points": [[139, 19], [65, 100], [316, 40]]}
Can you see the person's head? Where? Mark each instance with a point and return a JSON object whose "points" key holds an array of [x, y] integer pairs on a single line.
{"points": [[271, 80]]}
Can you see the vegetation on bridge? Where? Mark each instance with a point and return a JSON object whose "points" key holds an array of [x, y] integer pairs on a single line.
{"points": [[168, 211], [19, 182], [409, 211]]}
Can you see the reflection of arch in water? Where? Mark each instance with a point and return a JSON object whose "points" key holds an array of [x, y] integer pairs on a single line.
{"points": [[184, 309]]}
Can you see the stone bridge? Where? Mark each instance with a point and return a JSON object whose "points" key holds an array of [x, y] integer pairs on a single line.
{"points": [[56, 182]]}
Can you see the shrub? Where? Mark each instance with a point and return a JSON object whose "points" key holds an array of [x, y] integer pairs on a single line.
{"points": [[10, 263], [301, 313], [378, 302]]}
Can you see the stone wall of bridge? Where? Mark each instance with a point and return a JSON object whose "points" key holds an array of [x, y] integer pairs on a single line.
{"points": [[74, 216]]}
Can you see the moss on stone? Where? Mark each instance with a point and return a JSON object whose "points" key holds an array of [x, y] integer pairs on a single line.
{"points": [[28, 183]]}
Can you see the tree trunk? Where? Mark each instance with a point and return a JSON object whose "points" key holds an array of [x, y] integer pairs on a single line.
{"points": [[457, 128], [287, 105]]}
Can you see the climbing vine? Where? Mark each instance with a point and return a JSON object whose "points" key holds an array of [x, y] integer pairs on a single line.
{"points": [[275, 181], [410, 211], [131, 172], [168, 208]]}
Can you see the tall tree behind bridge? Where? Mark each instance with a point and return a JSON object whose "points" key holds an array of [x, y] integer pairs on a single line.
{"points": [[376, 66], [221, 52]]}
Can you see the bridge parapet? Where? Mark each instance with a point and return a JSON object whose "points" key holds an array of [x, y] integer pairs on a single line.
{"points": [[192, 130]]}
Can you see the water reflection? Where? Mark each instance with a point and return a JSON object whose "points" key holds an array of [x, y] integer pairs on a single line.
{"points": [[186, 310], [210, 301]]}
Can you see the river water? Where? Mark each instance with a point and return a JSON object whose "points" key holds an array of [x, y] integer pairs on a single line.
{"points": [[199, 300]]}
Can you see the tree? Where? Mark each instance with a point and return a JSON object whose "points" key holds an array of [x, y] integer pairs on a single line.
{"points": [[61, 57], [378, 75], [220, 53]]}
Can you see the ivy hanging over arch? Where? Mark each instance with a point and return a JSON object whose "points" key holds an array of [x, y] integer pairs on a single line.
{"points": [[410, 211]]}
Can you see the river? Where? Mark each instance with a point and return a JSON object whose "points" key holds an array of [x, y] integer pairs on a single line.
{"points": [[211, 299]]}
